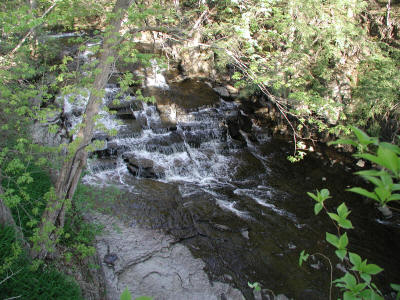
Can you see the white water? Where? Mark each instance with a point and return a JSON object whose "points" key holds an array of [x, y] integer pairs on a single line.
{"points": [[74, 106], [209, 163], [197, 154], [156, 79]]}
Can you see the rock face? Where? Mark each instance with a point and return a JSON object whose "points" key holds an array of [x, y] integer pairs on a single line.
{"points": [[152, 264], [142, 167], [125, 108]]}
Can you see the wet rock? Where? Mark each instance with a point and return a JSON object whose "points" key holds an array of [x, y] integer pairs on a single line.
{"points": [[232, 90], [188, 95], [100, 136], [222, 91], [386, 212], [167, 140], [112, 149], [245, 123], [245, 234], [142, 167], [125, 113], [228, 277], [234, 129], [110, 258], [221, 227], [131, 105], [152, 264], [103, 164], [238, 123]]}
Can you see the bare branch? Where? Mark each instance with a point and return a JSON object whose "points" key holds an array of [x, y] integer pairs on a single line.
{"points": [[32, 29], [9, 276]]}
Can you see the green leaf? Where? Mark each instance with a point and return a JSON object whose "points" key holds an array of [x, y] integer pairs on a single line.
{"points": [[325, 194], [370, 172], [374, 180], [362, 137], [349, 281], [343, 241], [313, 196], [341, 253], [343, 211], [366, 277], [349, 296], [359, 287], [126, 295], [389, 159], [334, 217], [303, 257], [318, 207], [372, 269], [394, 197], [346, 224], [363, 192], [396, 287], [372, 158], [343, 142], [392, 147], [256, 286], [332, 239], [355, 259], [382, 193], [387, 180]]}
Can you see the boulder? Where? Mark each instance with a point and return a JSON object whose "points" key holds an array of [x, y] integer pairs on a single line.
{"points": [[222, 91], [142, 167]]}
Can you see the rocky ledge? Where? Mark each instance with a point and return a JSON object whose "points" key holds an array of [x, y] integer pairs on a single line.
{"points": [[150, 263]]}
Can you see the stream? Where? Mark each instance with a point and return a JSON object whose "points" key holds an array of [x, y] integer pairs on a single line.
{"points": [[236, 203]]}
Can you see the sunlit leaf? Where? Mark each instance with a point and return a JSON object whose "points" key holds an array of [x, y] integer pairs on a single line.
{"points": [[363, 192]]}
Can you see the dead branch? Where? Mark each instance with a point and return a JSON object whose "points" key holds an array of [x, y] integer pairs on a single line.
{"points": [[9, 276], [32, 30]]}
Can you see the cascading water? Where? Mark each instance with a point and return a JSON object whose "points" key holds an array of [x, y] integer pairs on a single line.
{"points": [[235, 202]]}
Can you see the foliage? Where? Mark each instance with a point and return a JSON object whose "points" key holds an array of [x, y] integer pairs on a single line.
{"points": [[256, 286], [357, 281], [376, 94], [20, 278], [79, 235], [299, 50], [295, 48], [386, 176], [126, 295], [37, 72], [26, 186]]}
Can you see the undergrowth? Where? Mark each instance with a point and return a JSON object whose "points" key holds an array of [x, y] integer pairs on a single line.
{"points": [[19, 278]]}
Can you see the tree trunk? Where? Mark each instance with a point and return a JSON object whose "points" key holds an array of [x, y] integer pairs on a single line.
{"points": [[6, 219], [54, 215]]}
